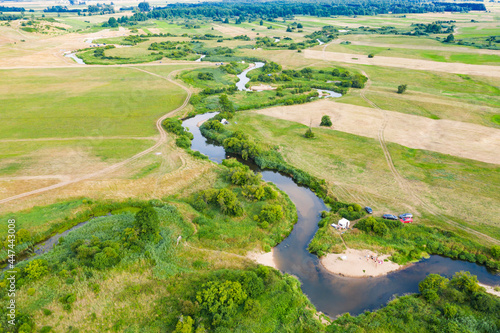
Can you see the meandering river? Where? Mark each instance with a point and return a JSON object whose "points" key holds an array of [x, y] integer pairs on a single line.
{"points": [[330, 293]]}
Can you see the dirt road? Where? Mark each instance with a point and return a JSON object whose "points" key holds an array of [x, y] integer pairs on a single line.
{"points": [[444, 136], [415, 64], [161, 140]]}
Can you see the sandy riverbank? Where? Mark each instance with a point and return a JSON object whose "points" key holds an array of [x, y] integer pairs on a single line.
{"points": [[262, 87], [358, 263], [263, 258], [490, 289]]}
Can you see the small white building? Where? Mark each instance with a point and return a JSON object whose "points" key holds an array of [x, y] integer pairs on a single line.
{"points": [[344, 223], [224, 122]]}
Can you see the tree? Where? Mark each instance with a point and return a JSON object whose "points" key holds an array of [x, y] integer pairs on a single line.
{"points": [[107, 258], [495, 251], [112, 22], [270, 214], [228, 202], [299, 26], [449, 39], [288, 29], [147, 223], [309, 133], [432, 286], [225, 104], [226, 20], [402, 88], [144, 6], [326, 121], [261, 22], [184, 325], [465, 281], [221, 299]]}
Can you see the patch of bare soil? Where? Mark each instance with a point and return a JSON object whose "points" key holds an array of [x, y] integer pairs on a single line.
{"points": [[263, 258], [262, 87], [456, 138], [416, 64]]}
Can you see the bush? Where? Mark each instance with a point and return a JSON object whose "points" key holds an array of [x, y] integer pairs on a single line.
{"points": [[495, 251], [402, 88], [309, 133], [183, 141], [326, 121], [36, 269], [205, 76], [67, 300], [371, 55], [432, 286], [228, 202], [220, 300], [270, 214], [146, 223]]}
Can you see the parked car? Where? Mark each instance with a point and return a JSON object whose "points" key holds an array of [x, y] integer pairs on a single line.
{"points": [[390, 217], [402, 216], [368, 210], [406, 220]]}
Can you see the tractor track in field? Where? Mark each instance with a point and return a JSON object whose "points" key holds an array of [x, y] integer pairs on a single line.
{"points": [[161, 140], [402, 182]]}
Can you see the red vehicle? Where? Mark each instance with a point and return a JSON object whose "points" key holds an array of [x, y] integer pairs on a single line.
{"points": [[406, 220]]}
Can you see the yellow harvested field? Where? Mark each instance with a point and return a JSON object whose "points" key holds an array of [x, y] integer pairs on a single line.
{"points": [[444, 136], [416, 64], [234, 31]]}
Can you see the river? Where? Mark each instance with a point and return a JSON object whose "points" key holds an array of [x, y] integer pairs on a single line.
{"points": [[241, 84], [330, 293], [75, 58]]}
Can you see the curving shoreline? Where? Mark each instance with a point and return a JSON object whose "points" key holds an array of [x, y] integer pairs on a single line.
{"points": [[359, 264]]}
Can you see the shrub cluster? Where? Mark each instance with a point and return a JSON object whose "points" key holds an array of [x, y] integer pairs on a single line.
{"points": [[225, 199]]}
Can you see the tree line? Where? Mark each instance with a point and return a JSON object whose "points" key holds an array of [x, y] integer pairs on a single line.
{"points": [[220, 11]]}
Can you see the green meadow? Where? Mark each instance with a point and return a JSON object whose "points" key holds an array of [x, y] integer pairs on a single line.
{"points": [[356, 171]]}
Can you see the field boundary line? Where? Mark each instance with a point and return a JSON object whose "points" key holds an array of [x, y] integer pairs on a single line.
{"points": [[402, 182], [163, 138]]}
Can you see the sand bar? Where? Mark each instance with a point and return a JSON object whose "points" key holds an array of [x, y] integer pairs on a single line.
{"points": [[359, 263]]}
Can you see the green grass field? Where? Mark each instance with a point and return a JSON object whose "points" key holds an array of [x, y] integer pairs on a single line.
{"points": [[401, 52], [460, 188], [89, 105], [69, 103], [434, 95]]}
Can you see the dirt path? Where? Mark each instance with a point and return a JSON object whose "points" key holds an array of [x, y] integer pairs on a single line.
{"points": [[415, 64], [449, 137], [161, 140], [381, 137]]}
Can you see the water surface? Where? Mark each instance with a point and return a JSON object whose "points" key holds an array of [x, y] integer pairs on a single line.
{"points": [[244, 79], [333, 294]]}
